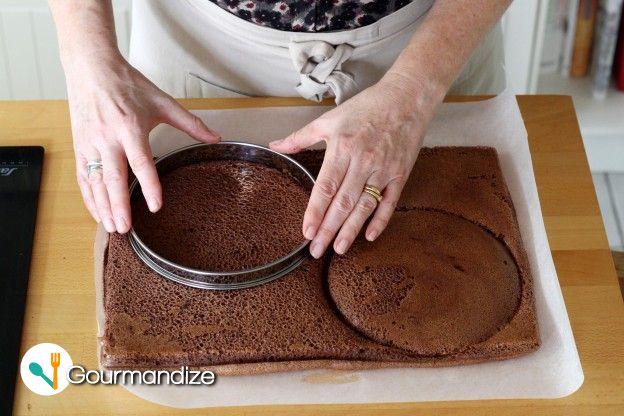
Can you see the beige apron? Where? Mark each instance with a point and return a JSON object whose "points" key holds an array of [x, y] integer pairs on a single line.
{"points": [[194, 48]]}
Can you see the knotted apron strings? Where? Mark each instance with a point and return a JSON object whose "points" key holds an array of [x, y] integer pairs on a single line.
{"points": [[319, 65]]}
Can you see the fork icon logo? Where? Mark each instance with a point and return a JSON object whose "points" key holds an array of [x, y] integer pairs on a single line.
{"points": [[44, 369]]}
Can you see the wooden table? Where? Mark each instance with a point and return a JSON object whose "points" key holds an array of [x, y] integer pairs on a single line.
{"points": [[60, 307]]}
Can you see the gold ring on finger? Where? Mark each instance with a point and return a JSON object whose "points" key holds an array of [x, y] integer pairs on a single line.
{"points": [[374, 192]]}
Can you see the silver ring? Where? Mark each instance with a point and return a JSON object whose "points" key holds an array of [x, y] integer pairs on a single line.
{"points": [[93, 165]]}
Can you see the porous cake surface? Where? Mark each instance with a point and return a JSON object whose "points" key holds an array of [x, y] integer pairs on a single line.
{"points": [[171, 325], [432, 283], [212, 209], [339, 312]]}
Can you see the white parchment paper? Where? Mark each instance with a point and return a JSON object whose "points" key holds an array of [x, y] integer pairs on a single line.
{"points": [[552, 371]]}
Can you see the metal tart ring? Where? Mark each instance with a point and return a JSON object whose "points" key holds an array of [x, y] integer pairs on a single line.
{"points": [[230, 280]]}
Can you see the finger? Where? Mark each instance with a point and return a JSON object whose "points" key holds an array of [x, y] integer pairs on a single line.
{"points": [[340, 208], [100, 195], [327, 183], [142, 164], [179, 117], [116, 180], [385, 209], [352, 226], [298, 140], [85, 189]]}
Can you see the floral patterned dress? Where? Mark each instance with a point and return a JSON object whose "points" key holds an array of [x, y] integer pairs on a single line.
{"points": [[311, 15]]}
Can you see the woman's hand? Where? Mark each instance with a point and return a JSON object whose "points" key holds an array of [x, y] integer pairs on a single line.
{"points": [[113, 108], [372, 139]]}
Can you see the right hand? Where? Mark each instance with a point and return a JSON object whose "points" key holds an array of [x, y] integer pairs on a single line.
{"points": [[113, 108]]}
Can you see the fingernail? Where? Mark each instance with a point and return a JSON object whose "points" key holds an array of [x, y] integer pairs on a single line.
{"points": [[215, 135], [310, 232], [122, 224], [276, 142], [341, 246], [316, 249], [372, 235], [153, 204], [109, 225]]}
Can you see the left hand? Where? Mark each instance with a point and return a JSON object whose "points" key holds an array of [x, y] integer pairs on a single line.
{"points": [[372, 138]]}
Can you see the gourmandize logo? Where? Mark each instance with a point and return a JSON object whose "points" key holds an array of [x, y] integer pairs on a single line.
{"points": [[44, 369], [55, 361]]}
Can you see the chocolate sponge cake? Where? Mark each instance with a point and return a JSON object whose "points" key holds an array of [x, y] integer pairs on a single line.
{"points": [[211, 209], [455, 286], [447, 284]]}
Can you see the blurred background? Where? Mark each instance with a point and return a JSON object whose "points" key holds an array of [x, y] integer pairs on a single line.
{"points": [[571, 47]]}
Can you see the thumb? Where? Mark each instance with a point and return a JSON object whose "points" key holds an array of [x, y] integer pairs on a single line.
{"points": [[297, 140], [182, 119]]}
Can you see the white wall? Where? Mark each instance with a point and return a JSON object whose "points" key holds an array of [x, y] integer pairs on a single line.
{"points": [[29, 62], [30, 68], [523, 29]]}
